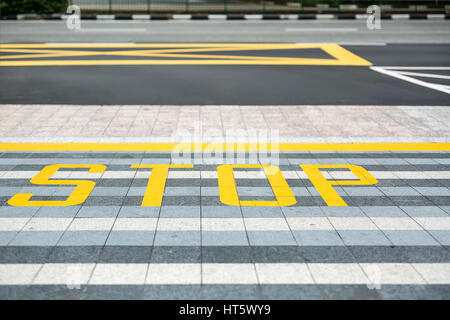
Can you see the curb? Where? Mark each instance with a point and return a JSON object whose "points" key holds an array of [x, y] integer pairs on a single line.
{"points": [[343, 16]]}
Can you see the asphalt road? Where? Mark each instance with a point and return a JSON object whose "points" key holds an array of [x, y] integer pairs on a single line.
{"points": [[227, 31], [232, 84]]}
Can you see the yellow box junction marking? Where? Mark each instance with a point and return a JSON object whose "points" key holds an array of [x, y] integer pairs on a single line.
{"points": [[179, 54]]}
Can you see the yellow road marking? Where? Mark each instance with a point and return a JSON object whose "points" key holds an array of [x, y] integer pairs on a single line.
{"points": [[168, 147], [325, 186], [341, 56], [82, 190], [157, 181], [229, 194]]}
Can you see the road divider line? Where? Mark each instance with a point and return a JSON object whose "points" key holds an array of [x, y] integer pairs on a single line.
{"points": [[321, 29]]}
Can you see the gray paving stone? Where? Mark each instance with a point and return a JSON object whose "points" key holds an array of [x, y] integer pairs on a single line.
{"points": [[24, 254], [442, 236], [180, 212], [346, 292], [329, 254], [377, 211], [400, 254], [97, 201], [182, 191], [433, 191], [362, 191], [130, 238], [224, 238], [414, 292], [317, 238], [181, 201], [116, 292], [255, 192], [74, 254], [302, 211], [6, 237], [177, 238], [12, 292], [109, 191], [424, 211], [226, 254], [364, 238], [138, 212], [410, 238], [276, 254], [172, 292], [271, 238], [231, 292], [57, 212], [342, 212], [125, 254], [261, 212], [36, 238], [17, 212], [98, 212], [177, 254], [221, 212], [399, 191], [83, 238], [52, 292]]}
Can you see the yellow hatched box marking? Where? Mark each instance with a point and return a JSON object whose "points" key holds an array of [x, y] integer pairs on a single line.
{"points": [[178, 54]]}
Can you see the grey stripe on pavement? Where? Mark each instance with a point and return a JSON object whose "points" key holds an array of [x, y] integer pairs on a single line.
{"points": [[223, 254]]}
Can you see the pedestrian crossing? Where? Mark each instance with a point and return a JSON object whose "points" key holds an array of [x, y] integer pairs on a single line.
{"points": [[389, 241]]}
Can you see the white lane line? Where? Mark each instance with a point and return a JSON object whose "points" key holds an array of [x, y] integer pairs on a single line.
{"points": [[112, 30], [321, 29], [375, 44], [390, 71], [425, 75], [415, 68], [224, 273]]}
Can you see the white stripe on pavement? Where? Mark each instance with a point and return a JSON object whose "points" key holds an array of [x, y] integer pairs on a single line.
{"points": [[192, 174], [224, 273], [225, 224]]}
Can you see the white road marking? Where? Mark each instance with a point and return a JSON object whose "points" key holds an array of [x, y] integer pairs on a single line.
{"points": [[375, 44], [321, 29], [425, 75], [186, 174], [112, 30], [391, 71]]}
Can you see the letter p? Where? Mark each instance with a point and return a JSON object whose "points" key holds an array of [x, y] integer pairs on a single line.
{"points": [[325, 187]]}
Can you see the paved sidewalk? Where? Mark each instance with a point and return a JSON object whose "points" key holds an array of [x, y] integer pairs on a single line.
{"points": [[66, 121]]}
